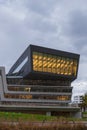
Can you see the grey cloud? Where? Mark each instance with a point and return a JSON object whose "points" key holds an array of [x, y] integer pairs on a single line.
{"points": [[48, 23], [3, 1], [41, 7], [78, 24], [76, 31], [41, 25]]}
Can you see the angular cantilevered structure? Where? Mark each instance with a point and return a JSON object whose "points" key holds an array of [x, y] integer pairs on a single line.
{"points": [[40, 81], [44, 63]]}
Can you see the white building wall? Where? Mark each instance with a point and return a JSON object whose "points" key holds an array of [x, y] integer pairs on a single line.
{"points": [[77, 99]]}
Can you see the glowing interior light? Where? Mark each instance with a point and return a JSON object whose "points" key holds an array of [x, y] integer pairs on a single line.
{"points": [[54, 64]]}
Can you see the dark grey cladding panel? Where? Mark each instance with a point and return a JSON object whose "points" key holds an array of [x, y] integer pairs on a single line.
{"points": [[26, 70], [54, 51], [44, 75], [26, 67], [48, 76]]}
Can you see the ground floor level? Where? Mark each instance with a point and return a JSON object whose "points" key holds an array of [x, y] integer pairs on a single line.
{"points": [[44, 110]]}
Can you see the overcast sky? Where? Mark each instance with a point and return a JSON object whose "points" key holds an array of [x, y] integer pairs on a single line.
{"points": [[59, 24]]}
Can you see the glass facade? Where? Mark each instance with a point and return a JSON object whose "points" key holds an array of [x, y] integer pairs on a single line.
{"points": [[45, 97], [54, 64], [39, 89], [38, 82]]}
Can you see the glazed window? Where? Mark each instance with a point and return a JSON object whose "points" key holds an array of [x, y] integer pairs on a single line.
{"points": [[54, 64]]}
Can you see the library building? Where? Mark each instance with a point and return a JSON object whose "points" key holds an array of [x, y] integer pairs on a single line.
{"points": [[39, 82]]}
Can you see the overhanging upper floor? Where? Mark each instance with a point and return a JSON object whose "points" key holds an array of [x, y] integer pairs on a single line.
{"points": [[44, 63]]}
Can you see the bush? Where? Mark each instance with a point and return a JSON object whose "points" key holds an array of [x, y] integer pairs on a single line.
{"points": [[31, 126]]}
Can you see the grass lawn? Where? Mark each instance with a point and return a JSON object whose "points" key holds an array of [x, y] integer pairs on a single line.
{"points": [[26, 117], [12, 116], [24, 122]]}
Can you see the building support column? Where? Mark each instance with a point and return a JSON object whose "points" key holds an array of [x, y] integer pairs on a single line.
{"points": [[48, 113]]}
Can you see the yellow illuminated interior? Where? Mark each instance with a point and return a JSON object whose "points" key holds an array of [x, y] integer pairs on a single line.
{"points": [[63, 98], [54, 64], [46, 97]]}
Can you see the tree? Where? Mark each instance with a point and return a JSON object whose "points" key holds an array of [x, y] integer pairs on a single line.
{"points": [[83, 105]]}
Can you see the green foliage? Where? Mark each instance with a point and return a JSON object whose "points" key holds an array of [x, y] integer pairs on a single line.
{"points": [[84, 102], [21, 121], [22, 116], [12, 116], [84, 112]]}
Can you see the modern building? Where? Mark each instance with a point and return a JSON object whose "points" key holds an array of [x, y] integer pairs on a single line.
{"points": [[78, 99], [40, 82]]}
